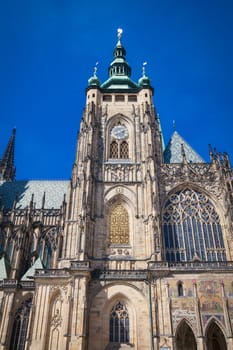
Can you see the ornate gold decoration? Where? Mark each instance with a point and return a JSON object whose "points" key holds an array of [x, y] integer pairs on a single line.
{"points": [[119, 225]]}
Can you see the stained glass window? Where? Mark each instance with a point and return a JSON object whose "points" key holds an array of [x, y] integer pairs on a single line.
{"points": [[119, 324], [119, 225], [20, 326], [192, 228]]}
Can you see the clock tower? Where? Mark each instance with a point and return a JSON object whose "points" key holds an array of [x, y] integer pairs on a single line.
{"points": [[111, 218], [135, 251]]}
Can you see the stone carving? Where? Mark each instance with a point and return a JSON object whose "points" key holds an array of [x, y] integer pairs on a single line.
{"points": [[56, 320], [189, 315]]}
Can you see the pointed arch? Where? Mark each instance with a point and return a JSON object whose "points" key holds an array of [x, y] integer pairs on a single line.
{"points": [[184, 338], [119, 225], [119, 323], [122, 147], [20, 325], [180, 289], [124, 150], [113, 150], [215, 337], [57, 321], [45, 252], [192, 227]]}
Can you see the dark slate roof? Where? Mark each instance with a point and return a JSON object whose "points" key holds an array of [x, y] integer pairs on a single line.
{"points": [[54, 193], [172, 153]]}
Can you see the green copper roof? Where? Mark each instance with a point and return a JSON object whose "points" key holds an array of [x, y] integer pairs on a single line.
{"points": [[144, 81], [173, 153], [119, 71], [94, 80], [31, 271]]}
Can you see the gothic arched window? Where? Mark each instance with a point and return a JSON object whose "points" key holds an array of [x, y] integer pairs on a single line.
{"points": [[45, 253], [124, 150], [119, 324], [180, 289], [10, 250], [119, 225], [20, 326], [114, 149], [119, 150], [2, 242], [119, 146], [192, 229]]}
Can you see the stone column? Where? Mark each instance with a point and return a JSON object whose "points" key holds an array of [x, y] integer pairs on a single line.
{"points": [[78, 318], [6, 319], [40, 319]]}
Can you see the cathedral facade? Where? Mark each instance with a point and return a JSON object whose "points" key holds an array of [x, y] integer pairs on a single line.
{"points": [[134, 252]]}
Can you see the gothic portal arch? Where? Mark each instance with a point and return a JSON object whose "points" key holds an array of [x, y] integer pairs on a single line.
{"points": [[111, 309], [191, 227], [215, 338], [185, 339]]}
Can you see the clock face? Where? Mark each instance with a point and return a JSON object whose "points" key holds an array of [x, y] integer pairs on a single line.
{"points": [[119, 132]]}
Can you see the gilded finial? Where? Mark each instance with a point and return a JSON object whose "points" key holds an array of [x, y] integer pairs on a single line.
{"points": [[119, 34], [144, 68], [95, 68]]}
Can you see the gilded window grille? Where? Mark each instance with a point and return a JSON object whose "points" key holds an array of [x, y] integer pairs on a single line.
{"points": [[119, 324], [124, 150], [119, 225], [192, 228]]}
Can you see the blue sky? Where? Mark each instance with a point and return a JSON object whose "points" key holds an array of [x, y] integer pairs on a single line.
{"points": [[49, 49]]}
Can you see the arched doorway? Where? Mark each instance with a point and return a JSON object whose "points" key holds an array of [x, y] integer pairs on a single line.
{"points": [[215, 338], [185, 339]]}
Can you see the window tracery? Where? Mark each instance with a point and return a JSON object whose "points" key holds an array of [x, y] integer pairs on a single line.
{"points": [[119, 225], [119, 146], [20, 326], [119, 324], [124, 150], [114, 150], [192, 228]]}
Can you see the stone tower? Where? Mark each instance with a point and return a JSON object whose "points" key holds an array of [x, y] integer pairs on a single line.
{"points": [[135, 251]]}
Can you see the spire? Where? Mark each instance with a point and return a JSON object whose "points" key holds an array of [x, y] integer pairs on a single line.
{"points": [[94, 80], [7, 168], [119, 66], [119, 71], [144, 81]]}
